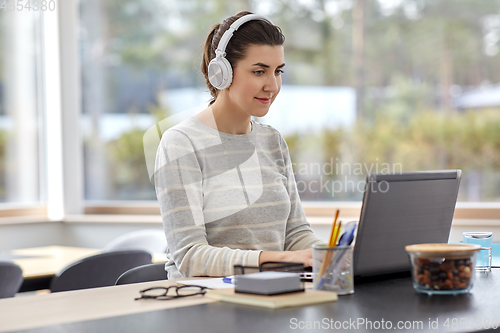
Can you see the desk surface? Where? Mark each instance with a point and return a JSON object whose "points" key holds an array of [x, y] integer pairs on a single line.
{"points": [[41, 262], [112, 309], [36, 311], [46, 261]]}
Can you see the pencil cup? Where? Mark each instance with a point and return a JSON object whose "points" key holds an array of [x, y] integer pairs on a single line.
{"points": [[332, 269]]}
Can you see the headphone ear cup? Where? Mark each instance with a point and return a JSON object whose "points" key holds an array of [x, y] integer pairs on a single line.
{"points": [[220, 73], [215, 73], [227, 73]]}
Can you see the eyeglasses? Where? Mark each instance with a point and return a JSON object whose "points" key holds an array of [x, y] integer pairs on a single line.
{"points": [[166, 293]]}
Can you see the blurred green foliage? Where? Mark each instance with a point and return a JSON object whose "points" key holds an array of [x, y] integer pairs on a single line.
{"points": [[430, 140], [126, 155], [129, 178]]}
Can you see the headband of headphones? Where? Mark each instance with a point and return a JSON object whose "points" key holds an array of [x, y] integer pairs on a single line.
{"points": [[220, 72], [221, 48]]}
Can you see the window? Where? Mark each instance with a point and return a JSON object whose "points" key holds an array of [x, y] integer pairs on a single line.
{"points": [[20, 108], [369, 86]]}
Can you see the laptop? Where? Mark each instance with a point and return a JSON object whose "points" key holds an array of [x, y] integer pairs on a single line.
{"points": [[399, 210]]}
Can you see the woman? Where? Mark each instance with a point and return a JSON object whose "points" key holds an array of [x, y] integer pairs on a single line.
{"points": [[225, 183]]}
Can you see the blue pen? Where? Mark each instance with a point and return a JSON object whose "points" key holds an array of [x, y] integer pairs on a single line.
{"points": [[348, 236], [227, 280]]}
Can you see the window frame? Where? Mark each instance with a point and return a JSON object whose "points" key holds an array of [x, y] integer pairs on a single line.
{"points": [[64, 149], [320, 209]]}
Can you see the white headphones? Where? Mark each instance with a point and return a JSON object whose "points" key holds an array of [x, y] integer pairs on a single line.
{"points": [[220, 72]]}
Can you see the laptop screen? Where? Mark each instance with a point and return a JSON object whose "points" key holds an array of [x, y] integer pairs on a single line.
{"points": [[399, 210]]}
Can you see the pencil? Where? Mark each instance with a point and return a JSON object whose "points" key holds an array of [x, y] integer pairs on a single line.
{"points": [[337, 233], [328, 254], [330, 243]]}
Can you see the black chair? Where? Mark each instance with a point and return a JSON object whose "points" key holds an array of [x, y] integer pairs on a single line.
{"points": [[11, 278], [100, 270], [152, 272]]}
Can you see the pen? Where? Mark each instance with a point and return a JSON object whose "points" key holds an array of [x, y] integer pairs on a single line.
{"points": [[348, 236], [227, 279]]}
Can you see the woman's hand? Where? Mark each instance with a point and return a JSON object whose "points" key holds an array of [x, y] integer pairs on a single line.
{"points": [[302, 256]]}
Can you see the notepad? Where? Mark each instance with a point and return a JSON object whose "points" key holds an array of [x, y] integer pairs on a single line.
{"points": [[268, 283], [306, 297], [215, 283]]}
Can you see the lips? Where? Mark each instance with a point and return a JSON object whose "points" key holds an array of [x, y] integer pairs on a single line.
{"points": [[263, 100]]}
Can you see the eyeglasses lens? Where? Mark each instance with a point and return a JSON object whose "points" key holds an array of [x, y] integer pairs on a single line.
{"points": [[156, 292], [189, 291]]}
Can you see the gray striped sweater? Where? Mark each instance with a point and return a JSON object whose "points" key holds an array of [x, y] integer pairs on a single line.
{"points": [[224, 198]]}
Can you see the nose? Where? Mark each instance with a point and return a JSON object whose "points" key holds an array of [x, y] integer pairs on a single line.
{"points": [[272, 84]]}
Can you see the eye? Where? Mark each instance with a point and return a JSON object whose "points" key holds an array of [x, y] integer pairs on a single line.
{"points": [[259, 72], [279, 72]]}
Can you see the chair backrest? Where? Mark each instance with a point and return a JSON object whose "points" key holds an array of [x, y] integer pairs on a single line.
{"points": [[150, 240], [145, 273], [100, 270], [11, 278]]}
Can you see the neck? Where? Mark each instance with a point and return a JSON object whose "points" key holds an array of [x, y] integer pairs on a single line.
{"points": [[229, 119]]}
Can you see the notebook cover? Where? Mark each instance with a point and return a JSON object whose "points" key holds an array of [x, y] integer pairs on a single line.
{"points": [[268, 283], [306, 297]]}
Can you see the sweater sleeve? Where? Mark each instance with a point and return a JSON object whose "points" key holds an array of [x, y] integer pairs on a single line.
{"points": [[178, 184], [299, 235]]}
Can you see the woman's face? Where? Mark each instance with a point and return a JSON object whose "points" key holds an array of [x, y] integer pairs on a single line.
{"points": [[257, 80]]}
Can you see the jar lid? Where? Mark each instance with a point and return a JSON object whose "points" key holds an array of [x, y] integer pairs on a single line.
{"points": [[442, 248]]}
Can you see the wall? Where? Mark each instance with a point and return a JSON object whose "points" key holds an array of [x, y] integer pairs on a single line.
{"points": [[90, 235]]}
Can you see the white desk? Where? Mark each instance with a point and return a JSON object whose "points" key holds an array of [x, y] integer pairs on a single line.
{"points": [[27, 312]]}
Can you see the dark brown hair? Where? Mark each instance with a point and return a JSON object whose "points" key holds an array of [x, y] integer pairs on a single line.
{"points": [[255, 32]]}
